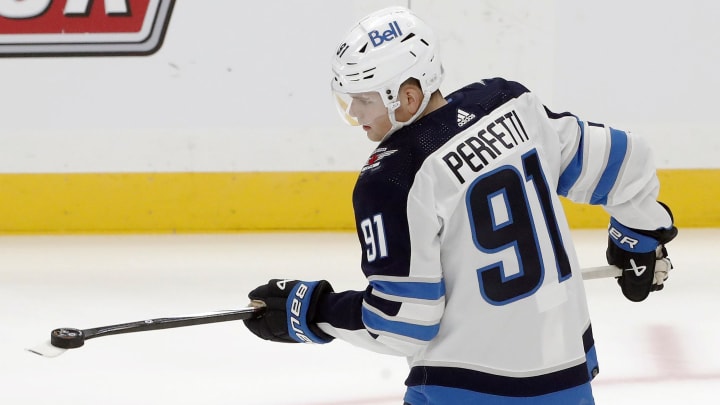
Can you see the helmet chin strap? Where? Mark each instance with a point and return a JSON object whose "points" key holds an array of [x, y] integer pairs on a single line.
{"points": [[396, 124]]}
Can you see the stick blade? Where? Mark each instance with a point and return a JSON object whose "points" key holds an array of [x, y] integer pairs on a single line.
{"points": [[46, 349]]}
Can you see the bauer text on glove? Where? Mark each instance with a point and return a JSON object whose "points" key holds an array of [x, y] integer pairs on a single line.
{"points": [[291, 306]]}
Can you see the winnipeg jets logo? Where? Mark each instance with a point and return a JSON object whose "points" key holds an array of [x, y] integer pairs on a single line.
{"points": [[638, 270], [374, 160]]}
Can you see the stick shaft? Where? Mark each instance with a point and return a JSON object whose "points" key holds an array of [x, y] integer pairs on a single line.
{"points": [[252, 311], [592, 273], [256, 309], [174, 322]]}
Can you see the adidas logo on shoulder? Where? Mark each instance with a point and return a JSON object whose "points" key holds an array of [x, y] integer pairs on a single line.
{"points": [[463, 117]]}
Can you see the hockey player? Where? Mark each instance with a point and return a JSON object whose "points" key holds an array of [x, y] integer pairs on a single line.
{"points": [[472, 274]]}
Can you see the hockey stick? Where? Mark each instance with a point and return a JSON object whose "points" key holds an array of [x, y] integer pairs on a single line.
{"points": [[63, 339], [592, 273]]}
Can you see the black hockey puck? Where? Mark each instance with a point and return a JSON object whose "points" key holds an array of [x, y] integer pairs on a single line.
{"points": [[67, 338]]}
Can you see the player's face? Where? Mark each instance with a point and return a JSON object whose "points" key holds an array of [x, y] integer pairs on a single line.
{"points": [[372, 114], [366, 110]]}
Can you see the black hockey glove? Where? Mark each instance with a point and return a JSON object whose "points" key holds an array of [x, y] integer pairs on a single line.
{"points": [[290, 310], [642, 257]]}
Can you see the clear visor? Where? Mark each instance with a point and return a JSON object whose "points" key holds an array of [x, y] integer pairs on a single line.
{"points": [[360, 108]]}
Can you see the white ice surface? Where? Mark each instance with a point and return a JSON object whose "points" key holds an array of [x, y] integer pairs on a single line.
{"points": [[662, 351]]}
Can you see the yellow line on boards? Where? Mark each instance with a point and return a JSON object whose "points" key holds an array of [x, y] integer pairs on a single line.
{"points": [[262, 201], [174, 202]]}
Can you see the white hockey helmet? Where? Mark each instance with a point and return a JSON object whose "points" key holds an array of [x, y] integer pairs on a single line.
{"points": [[379, 54]]}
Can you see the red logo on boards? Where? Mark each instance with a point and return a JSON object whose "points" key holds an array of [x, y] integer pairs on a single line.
{"points": [[82, 27]]}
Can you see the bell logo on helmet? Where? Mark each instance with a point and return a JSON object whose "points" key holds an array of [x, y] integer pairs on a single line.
{"points": [[378, 39]]}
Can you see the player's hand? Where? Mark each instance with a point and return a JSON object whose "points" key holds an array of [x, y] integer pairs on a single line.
{"points": [[290, 309], [642, 257]]}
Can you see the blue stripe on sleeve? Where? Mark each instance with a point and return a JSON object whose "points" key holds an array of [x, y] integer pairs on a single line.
{"points": [[419, 332], [572, 172], [425, 291], [618, 149]]}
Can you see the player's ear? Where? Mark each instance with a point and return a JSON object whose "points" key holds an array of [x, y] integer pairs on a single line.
{"points": [[412, 97]]}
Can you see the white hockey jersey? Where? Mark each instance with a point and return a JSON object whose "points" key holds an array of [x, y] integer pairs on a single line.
{"points": [[471, 271]]}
